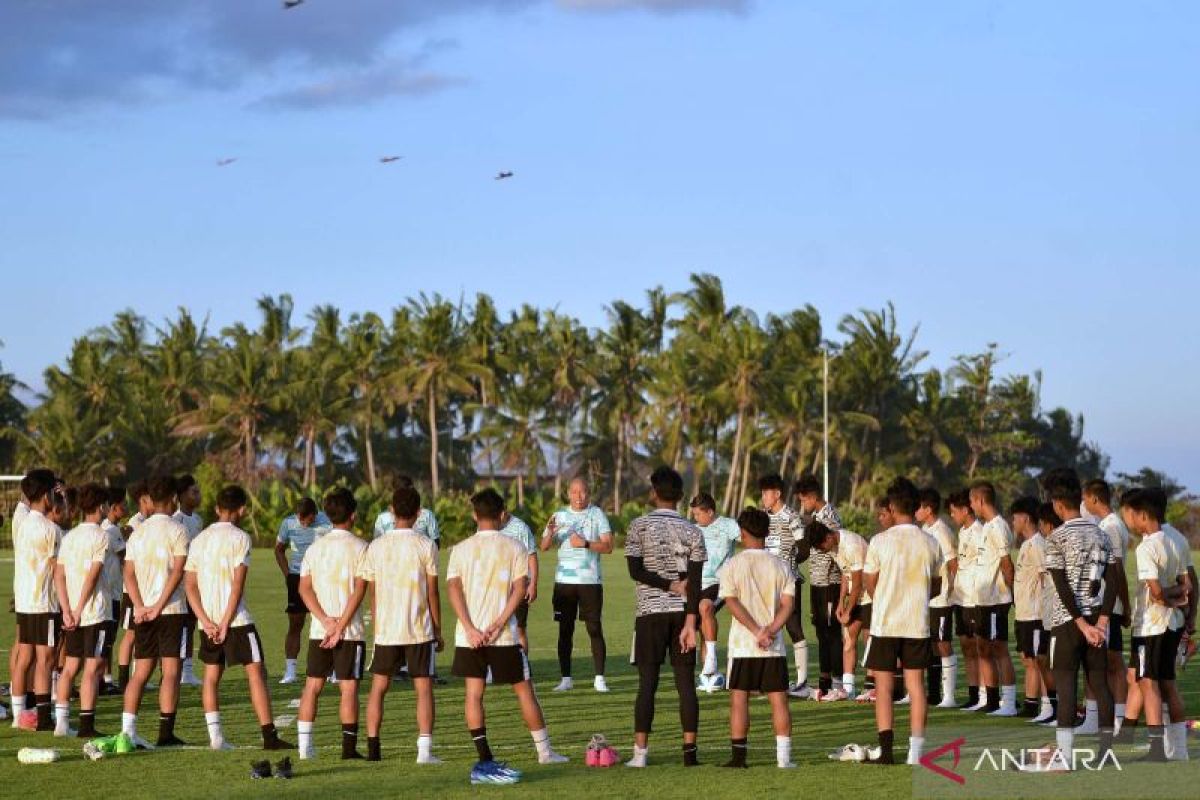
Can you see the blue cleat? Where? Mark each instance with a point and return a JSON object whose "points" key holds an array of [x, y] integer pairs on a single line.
{"points": [[494, 772]]}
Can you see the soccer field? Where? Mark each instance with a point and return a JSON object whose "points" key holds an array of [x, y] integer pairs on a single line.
{"points": [[572, 718]]}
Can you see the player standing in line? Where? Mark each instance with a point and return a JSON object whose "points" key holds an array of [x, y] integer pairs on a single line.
{"points": [[825, 581], [1047, 522], [86, 609], [993, 581], [965, 594], [114, 563], [1028, 600], [402, 569], [720, 535], [217, 564], [853, 607], [1097, 502], [187, 493], [943, 672], [758, 589], [154, 557], [35, 550], [582, 534], [333, 587], [785, 533], [516, 529], [486, 579], [901, 573], [665, 554], [140, 495], [297, 532]]}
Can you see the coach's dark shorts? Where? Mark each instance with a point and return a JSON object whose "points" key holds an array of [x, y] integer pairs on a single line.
{"points": [[242, 646], [941, 624], [508, 664], [885, 652], [418, 658], [166, 636], [759, 675], [87, 641], [295, 604], [1032, 639], [41, 629], [570, 600], [344, 660]]}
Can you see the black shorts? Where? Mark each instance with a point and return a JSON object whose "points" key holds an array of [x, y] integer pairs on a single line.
{"points": [[1153, 657], [961, 616], [508, 663], [295, 604], [112, 625], [87, 641], [989, 623], [656, 635], [126, 615], [712, 594], [1116, 638], [242, 646], [1069, 650], [862, 613], [42, 629], [418, 658], [883, 653], [522, 615], [795, 622], [571, 599], [824, 600], [1032, 638], [941, 624], [163, 637], [190, 627], [759, 675], [344, 660]]}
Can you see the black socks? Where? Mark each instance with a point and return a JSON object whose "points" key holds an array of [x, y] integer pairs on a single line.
{"points": [[350, 741], [479, 736], [373, 749], [738, 761], [690, 752]]}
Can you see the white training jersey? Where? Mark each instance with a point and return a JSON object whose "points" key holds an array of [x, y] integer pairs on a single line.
{"points": [[83, 546], [906, 559], [759, 581], [943, 534], [35, 547], [152, 549], [488, 564], [334, 562], [214, 557], [399, 565]]}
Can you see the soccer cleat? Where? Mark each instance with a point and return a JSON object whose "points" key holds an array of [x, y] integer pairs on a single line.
{"points": [[599, 684], [60, 733], [190, 680], [308, 753], [283, 769], [1088, 728], [801, 691], [712, 683], [260, 770], [494, 772], [947, 702], [866, 696], [288, 679], [278, 744], [1044, 716], [428, 759], [92, 752], [731, 764], [565, 685], [552, 757], [26, 720], [220, 744], [170, 741], [1004, 711], [980, 706], [788, 765], [849, 752], [834, 695], [903, 701]]}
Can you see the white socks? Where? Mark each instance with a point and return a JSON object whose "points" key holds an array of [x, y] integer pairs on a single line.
{"points": [[1065, 739], [1091, 713], [783, 752], [1008, 696], [848, 683], [213, 720], [916, 746], [18, 707], [62, 718], [541, 742], [1175, 741], [306, 745], [801, 651], [289, 668], [424, 746], [710, 658], [129, 724], [639, 757]]}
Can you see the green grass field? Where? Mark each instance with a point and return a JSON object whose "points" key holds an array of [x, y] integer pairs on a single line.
{"points": [[572, 718]]}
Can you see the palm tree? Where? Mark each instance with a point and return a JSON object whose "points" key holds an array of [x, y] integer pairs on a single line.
{"points": [[373, 384], [624, 350]]}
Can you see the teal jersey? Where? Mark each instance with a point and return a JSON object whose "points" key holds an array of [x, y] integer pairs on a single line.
{"points": [[426, 524], [299, 538], [517, 529], [719, 539], [578, 565]]}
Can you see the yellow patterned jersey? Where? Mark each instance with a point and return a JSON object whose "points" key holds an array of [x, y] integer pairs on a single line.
{"points": [[399, 564], [758, 580], [214, 556], [488, 564]]}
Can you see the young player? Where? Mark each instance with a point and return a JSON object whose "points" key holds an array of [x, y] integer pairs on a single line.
{"points": [[217, 563], [943, 672], [187, 494], [1082, 567], [516, 529], [785, 533], [1047, 523], [297, 532], [582, 534], [1157, 622], [964, 595], [665, 554], [486, 578], [114, 562], [720, 534], [333, 587], [825, 582], [1028, 600], [1097, 502], [758, 589], [402, 568], [853, 607], [154, 557], [86, 609], [901, 573], [145, 507], [426, 524], [35, 550], [993, 586]]}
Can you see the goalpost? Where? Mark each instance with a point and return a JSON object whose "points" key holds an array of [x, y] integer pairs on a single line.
{"points": [[10, 495]]}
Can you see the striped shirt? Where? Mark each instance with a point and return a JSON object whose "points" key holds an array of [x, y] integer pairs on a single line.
{"points": [[579, 565], [1082, 550], [666, 543], [299, 538], [784, 531], [823, 569]]}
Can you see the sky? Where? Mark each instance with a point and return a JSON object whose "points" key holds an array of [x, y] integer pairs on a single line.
{"points": [[1022, 173]]}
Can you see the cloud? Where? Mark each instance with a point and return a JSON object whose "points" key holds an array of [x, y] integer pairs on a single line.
{"points": [[661, 6], [386, 80]]}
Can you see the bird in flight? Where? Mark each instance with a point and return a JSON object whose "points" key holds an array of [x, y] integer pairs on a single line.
{"points": [[503, 175], [225, 162], [389, 159], [290, 4]]}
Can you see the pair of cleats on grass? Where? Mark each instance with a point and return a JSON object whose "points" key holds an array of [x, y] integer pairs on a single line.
{"points": [[262, 769]]}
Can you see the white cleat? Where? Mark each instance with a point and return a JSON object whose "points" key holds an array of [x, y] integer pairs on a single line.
{"points": [[947, 702], [599, 684], [801, 691], [308, 753], [1046, 716], [789, 765], [903, 701], [289, 678], [430, 759], [1003, 711], [1088, 728], [565, 685], [834, 695], [637, 762], [190, 680], [221, 745], [64, 732], [552, 758], [140, 743]]}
